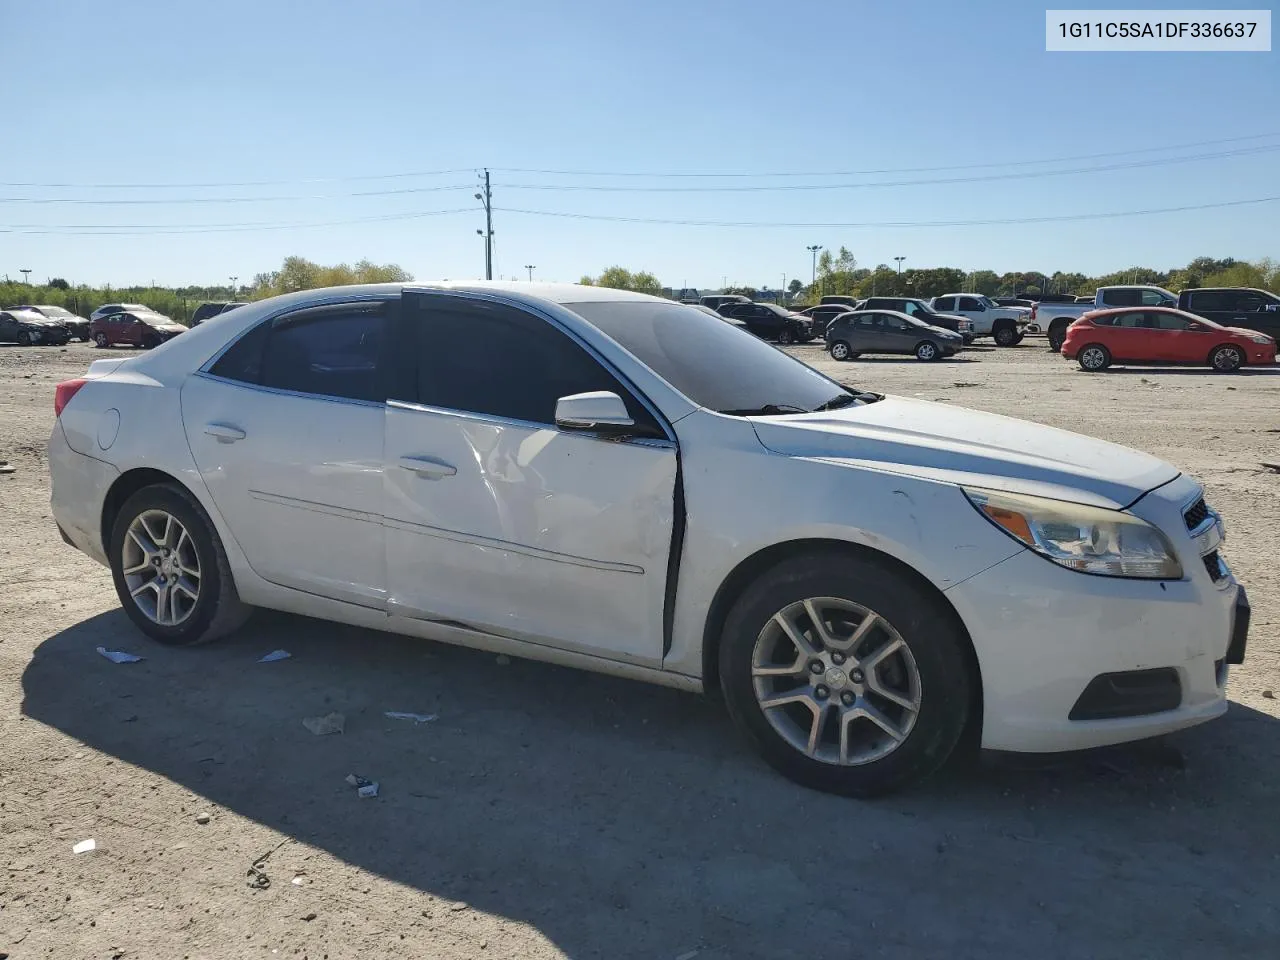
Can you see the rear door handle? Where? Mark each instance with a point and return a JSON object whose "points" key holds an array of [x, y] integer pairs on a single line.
{"points": [[428, 467], [224, 432]]}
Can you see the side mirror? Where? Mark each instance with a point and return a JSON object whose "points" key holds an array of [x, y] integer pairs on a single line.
{"points": [[1196, 327], [1273, 307], [598, 410]]}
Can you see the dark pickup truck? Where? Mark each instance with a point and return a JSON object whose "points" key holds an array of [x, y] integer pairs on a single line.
{"points": [[1235, 307]]}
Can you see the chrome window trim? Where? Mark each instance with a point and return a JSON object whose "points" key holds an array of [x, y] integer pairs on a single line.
{"points": [[411, 406], [288, 393]]}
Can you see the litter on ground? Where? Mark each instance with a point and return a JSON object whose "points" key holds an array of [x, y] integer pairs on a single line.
{"points": [[329, 723], [119, 656]]}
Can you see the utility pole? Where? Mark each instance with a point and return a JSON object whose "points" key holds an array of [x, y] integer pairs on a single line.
{"points": [[486, 198], [26, 274], [233, 287], [531, 267]]}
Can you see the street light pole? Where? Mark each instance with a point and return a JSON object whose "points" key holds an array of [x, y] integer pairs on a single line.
{"points": [[899, 259], [813, 250], [26, 274], [233, 287], [530, 267]]}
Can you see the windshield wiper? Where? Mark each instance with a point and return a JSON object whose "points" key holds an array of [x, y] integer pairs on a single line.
{"points": [[848, 399], [769, 409]]}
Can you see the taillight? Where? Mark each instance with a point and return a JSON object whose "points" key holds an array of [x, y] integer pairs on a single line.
{"points": [[63, 393], [1034, 308]]}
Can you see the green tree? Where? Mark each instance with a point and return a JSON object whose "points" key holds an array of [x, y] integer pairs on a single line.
{"points": [[982, 281], [794, 287], [57, 283], [620, 278]]}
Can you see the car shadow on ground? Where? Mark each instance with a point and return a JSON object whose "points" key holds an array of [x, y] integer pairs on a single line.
{"points": [[621, 819]]}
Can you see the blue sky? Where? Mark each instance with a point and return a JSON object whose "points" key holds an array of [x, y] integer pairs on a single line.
{"points": [[165, 93]]}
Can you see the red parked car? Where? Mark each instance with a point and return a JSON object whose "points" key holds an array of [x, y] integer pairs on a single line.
{"points": [[1162, 335], [135, 328]]}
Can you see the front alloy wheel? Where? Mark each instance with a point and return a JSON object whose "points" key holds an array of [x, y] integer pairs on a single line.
{"points": [[836, 681], [845, 675], [1227, 359], [786, 337], [926, 351]]}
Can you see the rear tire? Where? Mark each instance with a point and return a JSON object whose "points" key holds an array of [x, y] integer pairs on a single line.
{"points": [[25, 339], [1094, 357], [1226, 359], [1057, 337], [194, 559], [927, 351], [927, 677], [840, 351]]}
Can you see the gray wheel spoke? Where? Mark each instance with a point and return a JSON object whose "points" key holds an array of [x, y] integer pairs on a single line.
{"points": [[819, 627], [815, 728], [184, 585], [865, 627], [873, 714], [144, 586], [873, 682], [874, 660], [795, 636], [142, 537], [789, 670], [794, 696], [139, 568], [168, 531]]}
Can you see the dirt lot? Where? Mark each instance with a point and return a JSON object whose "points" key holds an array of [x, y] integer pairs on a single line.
{"points": [[549, 813]]}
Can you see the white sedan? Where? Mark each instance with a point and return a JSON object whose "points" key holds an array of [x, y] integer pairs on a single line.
{"points": [[621, 483]]}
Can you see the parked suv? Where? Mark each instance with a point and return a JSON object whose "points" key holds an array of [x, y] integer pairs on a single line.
{"points": [[770, 322], [136, 328], [718, 300], [913, 307], [1006, 325], [30, 328], [77, 326], [212, 309], [883, 331], [822, 315], [1234, 307]]}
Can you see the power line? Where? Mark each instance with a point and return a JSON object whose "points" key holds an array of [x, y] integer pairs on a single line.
{"points": [[1019, 175], [858, 173], [892, 223], [152, 201], [144, 229], [631, 173]]}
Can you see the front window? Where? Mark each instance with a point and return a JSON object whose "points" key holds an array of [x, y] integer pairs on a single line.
{"points": [[712, 363], [988, 302]]}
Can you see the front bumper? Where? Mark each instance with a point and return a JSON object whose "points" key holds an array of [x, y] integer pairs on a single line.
{"points": [[1043, 634]]}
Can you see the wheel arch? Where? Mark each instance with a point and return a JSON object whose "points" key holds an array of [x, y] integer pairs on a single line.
{"points": [[749, 569], [124, 487]]}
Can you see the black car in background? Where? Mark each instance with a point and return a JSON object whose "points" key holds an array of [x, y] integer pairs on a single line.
{"points": [[823, 314], [770, 322], [212, 309], [917, 308], [78, 326], [28, 328], [883, 331], [1234, 307]]}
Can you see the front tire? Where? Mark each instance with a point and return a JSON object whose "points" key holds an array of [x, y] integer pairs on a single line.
{"points": [[1094, 357], [170, 570], [1226, 359], [101, 340], [1006, 336], [786, 338], [844, 675], [927, 351]]}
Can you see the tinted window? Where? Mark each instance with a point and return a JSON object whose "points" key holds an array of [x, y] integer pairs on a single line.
{"points": [[870, 321], [1212, 300], [1153, 298], [478, 357], [330, 352], [945, 303], [1103, 321], [1249, 302], [1130, 320], [969, 303], [713, 364]]}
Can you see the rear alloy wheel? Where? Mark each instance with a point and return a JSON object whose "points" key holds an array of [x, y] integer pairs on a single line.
{"points": [[170, 570], [101, 340], [840, 351], [1094, 357], [1227, 359], [1007, 337], [25, 339], [844, 675], [926, 350], [786, 337]]}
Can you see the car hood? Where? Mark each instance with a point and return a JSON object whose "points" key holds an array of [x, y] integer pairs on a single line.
{"points": [[1245, 332], [167, 327], [38, 321], [954, 445]]}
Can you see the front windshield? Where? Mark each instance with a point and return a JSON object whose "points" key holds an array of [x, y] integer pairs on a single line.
{"points": [[987, 302], [153, 319], [715, 364], [57, 312]]}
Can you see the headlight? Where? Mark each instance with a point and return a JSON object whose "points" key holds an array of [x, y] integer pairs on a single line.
{"points": [[1259, 338], [1088, 539]]}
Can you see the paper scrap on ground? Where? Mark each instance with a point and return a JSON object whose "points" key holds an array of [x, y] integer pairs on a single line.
{"points": [[415, 717], [84, 846], [119, 656], [329, 723], [275, 655], [365, 788]]}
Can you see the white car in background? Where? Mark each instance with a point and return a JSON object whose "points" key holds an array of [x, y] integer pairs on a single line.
{"points": [[109, 309], [1006, 325], [613, 481]]}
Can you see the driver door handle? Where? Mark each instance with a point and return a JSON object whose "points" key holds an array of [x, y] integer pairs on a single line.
{"points": [[224, 432], [428, 467]]}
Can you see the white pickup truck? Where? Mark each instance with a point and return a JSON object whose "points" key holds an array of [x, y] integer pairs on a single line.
{"points": [[1005, 324], [1054, 318]]}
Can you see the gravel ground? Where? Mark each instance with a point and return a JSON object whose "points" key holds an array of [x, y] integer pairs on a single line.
{"points": [[550, 813]]}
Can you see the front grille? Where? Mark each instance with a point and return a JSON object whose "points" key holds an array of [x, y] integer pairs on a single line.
{"points": [[1213, 566], [1196, 514]]}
